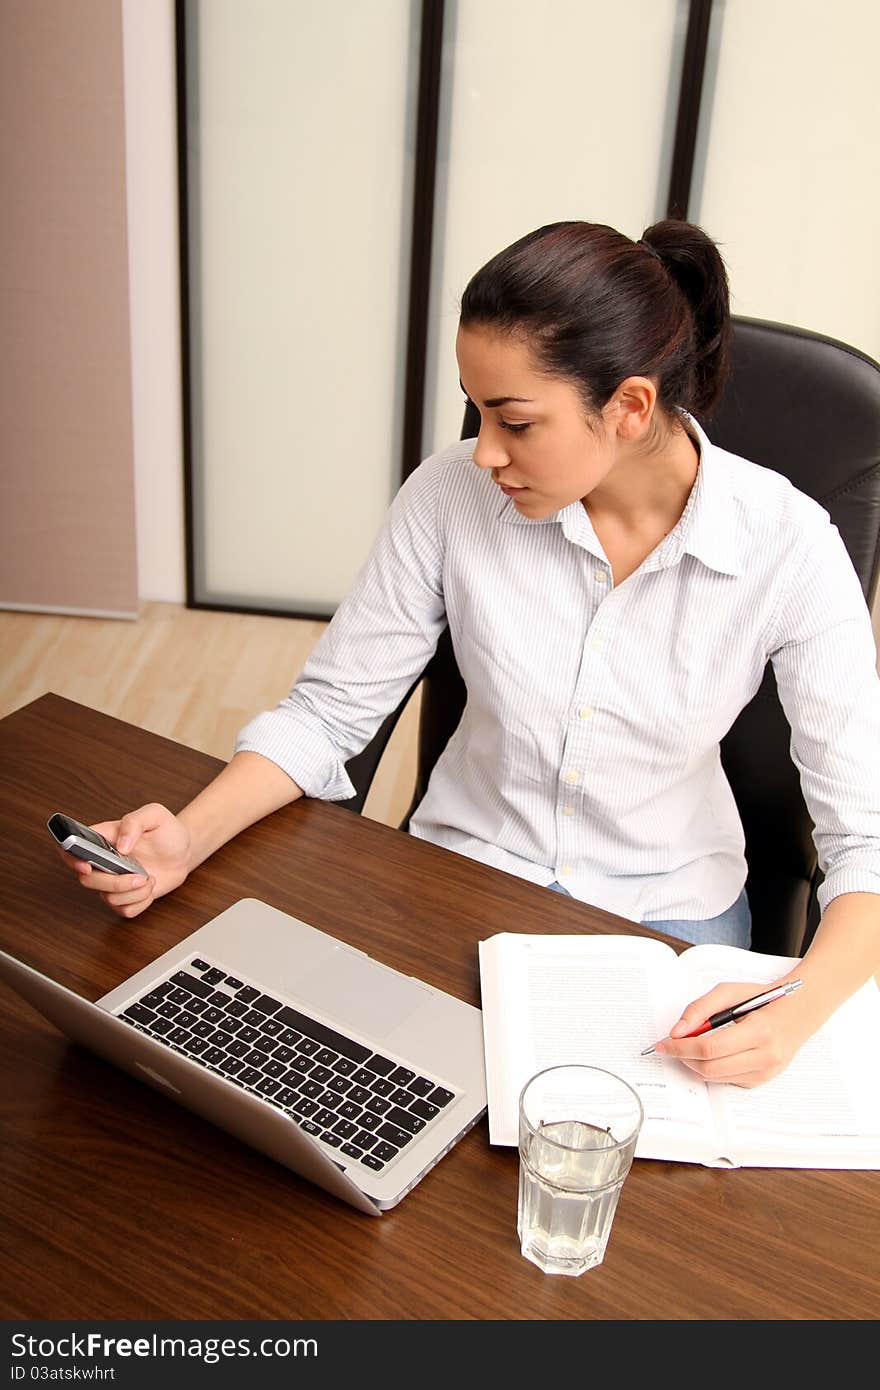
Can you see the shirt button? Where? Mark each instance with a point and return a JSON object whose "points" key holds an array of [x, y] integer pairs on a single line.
{"points": [[600, 576], [585, 711], [568, 810], [572, 775], [566, 869]]}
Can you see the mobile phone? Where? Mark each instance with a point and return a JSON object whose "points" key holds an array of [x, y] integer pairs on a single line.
{"points": [[84, 843]]}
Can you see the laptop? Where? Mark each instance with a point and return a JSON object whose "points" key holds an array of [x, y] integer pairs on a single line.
{"points": [[349, 1073]]}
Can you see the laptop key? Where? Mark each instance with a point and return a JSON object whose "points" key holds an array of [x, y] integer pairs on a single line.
{"points": [[213, 976], [368, 1120], [200, 964], [254, 1018], [306, 1107], [168, 1010], [325, 1118], [340, 1084], [161, 1026], [348, 1111], [248, 1034], [197, 1006], [326, 1057], [138, 1014], [219, 1038], [334, 1140], [312, 1089], [197, 1046], [250, 1076], [179, 996], [440, 1097], [178, 1035], [213, 1015], [401, 1076], [266, 1004], [385, 1151], [379, 1064], [378, 1105], [275, 1069], [236, 1008], [265, 1043], [307, 1046], [268, 1087], [289, 1036], [186, 1019], [406, 1119], [424, 1109], [232, 1066], [352, 1151], [311, 1128], [301, 1064], [383, 1087], [232, 982], [191, 983], [248, 994], [203, 1029], [283, 1054], [420, 1086], [400, 1096], [359, 1095], [286, 1096], [273, 1027], [345, 1129], [214, 1056], [395, 1136], [364, 1139], [370, 1161], [152, 1000]]}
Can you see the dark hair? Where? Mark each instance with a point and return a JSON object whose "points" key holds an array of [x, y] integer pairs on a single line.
{"points": [[598, 307]]}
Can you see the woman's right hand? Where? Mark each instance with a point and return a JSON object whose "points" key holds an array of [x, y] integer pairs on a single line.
{"points": [[158, 840]]}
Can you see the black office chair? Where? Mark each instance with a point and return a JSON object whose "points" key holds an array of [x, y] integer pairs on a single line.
{"points": [[809, 407]]}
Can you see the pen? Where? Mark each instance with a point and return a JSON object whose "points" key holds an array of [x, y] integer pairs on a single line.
{"points": [[737, 1011]]}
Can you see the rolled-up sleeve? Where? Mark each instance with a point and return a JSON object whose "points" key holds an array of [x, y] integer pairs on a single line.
{"points": [[380, 639], [824, 659]]}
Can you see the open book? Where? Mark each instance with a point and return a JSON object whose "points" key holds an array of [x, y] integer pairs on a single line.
{"points": [[601, 999]]}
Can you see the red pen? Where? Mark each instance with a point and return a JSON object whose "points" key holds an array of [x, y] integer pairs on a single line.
{"points": [[737, 1011]]}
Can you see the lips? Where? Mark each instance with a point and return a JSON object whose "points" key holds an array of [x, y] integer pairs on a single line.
{"points": [[511, 491]]}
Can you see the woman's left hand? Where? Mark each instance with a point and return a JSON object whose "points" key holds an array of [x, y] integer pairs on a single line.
{"points": [[750, 1051]]}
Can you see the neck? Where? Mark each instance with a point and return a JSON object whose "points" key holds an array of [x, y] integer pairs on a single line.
{"points": [[647, 489]]}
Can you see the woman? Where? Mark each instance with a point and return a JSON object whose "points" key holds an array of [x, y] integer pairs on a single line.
{"points": [[614, 585]]}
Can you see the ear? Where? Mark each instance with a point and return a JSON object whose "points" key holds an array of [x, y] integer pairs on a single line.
{"points": [[631, 408]]}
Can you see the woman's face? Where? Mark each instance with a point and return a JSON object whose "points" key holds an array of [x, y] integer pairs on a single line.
{"points": [[534, 435]]}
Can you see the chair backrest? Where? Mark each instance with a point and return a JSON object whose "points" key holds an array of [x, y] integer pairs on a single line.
{"points": [[808, 407]]}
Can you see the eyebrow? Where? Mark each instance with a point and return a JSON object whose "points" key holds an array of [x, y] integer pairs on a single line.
{"points": [[500, 400]]}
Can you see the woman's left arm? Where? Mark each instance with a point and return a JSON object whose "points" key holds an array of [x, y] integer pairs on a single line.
{"points": [[844, 954], [825, 662]]}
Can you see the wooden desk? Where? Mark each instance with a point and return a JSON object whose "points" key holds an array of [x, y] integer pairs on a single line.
{"points": [[118, 1204]]}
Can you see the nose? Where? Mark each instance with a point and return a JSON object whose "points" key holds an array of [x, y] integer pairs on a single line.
{"points": [[490, 450]]}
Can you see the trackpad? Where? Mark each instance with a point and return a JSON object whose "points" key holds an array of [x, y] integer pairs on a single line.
{"points": [[361, 993]]}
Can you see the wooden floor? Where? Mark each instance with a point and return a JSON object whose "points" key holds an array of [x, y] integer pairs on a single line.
{"points": [[194, 676]]}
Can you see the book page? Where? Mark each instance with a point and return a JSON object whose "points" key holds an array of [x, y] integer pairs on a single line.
{"points": [[823, 1111], [598, 1000]]}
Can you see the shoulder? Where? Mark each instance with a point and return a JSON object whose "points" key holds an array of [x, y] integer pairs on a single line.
{"points": [[766, 511], [448, 482]]}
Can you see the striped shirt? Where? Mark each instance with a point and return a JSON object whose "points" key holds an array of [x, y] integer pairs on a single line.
{"points": [[588, 751]]}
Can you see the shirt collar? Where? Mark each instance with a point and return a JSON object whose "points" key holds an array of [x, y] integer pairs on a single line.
{"points": [[705, 529]]}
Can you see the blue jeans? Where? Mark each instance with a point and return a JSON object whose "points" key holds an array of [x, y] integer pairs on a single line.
{"points": [[730, 928]]}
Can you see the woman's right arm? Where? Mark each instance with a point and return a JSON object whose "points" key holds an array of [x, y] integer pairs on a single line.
{"points": [[169, 847]]}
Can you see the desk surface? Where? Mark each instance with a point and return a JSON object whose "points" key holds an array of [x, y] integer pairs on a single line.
{"points": [[118, 1204]]}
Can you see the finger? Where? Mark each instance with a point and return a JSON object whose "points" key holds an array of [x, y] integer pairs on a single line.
{"points": [[130, 904], [723, 996], [112, 884], [134, 824]]}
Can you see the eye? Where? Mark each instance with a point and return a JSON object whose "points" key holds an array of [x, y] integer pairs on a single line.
{"points": [[514, 429]]}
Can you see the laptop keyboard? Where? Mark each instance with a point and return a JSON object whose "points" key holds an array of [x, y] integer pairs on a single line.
{"points": [[357, 1101]]}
